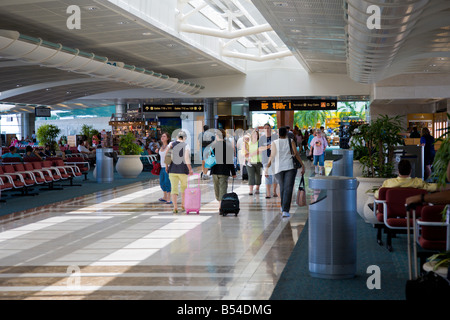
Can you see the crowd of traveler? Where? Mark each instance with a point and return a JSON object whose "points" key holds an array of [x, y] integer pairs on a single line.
{"points": [[256, 154]]}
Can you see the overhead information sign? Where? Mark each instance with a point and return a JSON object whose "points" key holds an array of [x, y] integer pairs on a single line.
{"points": [[172, 108], [292, 105]]}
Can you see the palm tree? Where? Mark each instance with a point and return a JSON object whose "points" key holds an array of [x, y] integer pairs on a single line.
{"points": [[349, 108], [310, 118]]}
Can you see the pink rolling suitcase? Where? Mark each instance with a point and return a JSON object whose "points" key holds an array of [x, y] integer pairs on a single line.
{"points": [[193, 197]]}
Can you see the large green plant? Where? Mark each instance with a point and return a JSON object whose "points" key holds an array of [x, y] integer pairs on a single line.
{"points": [[442, 157], [310, 118], [380, 139], [47, 134], [89, 132], [128, 145]]}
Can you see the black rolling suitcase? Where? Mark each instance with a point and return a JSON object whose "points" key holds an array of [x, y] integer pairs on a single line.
{"points": [[230, 203]]}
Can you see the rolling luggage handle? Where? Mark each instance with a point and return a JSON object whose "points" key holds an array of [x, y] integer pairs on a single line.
{"points": [[198, 179], [411, 207]]}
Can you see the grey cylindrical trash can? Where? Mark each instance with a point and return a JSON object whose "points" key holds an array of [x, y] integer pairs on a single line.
{"points": [[104, 165], [332, 228], [344, 165]]}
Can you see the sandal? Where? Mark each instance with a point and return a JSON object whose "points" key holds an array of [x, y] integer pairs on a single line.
{"points": [[168, 202], [268, 197], [275, 195], [174, 211], [162, 200]]}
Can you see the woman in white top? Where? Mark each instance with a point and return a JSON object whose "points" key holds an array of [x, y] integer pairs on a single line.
{"points": [[164, 181], [285, 173]]}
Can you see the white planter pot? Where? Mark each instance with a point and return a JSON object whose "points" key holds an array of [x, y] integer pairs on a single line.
{"points": [[357, 169], [369, 215], [129, 166], [362, 196]]}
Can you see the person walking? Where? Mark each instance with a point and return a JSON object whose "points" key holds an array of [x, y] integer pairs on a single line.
{"points": [[254, 164], [285, 173], [427, 141], [265, 149], [179, 168], [205, 138], [224, 167], [164, 181], [312, 135], [319, 143]]}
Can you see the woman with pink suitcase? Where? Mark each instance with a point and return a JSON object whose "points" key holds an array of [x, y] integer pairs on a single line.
{"points": [[179, 168]]}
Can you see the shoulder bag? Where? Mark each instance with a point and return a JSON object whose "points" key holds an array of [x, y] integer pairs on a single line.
{"points": [[297, 164], [211, 160]]}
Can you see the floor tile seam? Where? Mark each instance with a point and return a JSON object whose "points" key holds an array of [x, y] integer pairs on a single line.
{"points": [[117, 275], [92, 235], [123, 289], [249, 268], [81, 198]]}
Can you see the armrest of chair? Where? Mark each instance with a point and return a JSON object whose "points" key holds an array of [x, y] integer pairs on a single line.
{"points": [[86, 163], [375, 206], [432, 223], [10, 179]]}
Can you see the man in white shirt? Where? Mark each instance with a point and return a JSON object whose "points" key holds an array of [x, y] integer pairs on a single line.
{"points": [[85, 151]]}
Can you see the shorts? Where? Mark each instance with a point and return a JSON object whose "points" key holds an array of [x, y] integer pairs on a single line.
{"points": [[178, 178], [320, 160]]}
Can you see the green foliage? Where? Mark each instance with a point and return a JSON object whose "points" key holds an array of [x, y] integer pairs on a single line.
{"points": [[128, 145], [442, 158], [379, 138], [349, 109], [89, 132], [169, 129], [441, 259], [47, 134], [310, 118]]}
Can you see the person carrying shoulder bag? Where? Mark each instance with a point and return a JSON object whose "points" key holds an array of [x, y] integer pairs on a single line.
{"points": [[285, 173]]}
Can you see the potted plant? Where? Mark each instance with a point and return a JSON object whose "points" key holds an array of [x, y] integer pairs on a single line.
{"points": [[379, 138], [357, 144], [442, 157], [47, 134], [129, 164]]}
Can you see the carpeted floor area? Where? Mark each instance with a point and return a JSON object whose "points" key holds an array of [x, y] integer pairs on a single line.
{"points": [[296, 283]]}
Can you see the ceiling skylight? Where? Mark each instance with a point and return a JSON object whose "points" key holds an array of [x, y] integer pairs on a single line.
{"points": [[240, 18]]}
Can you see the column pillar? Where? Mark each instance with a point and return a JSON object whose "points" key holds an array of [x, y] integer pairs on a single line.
{"points": [[285, 118], [121, 107], [209, 112]]}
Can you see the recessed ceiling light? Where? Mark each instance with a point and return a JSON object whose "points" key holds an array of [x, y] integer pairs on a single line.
{"points": [[214, 65], [171, 45], [123, 22], [91, 8], [280, 4], [146, 33]]}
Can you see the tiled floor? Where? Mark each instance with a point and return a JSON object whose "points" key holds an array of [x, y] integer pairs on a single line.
{"points": [[125, 244]]}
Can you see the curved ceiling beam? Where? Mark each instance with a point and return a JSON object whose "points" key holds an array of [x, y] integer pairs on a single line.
{"points": [[231, 32], [13, 45], [225, 34], [42, 86]]}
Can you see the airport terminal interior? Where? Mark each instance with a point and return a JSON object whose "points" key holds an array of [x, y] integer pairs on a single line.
{"points": [[90, 226]]}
